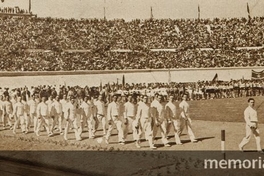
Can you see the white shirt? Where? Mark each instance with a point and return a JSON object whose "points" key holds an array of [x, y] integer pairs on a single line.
{"points": [[42, 109], [250, 115], [171, 110], [19, 109], [112, 110], [26, 107], [160, 108], [100, 106], [56, 108], [49, 103], [7, 107], [86, 109], [32, 106], [71, 111], [185, 106], [129, 109], [154, 103], [64, 104], [143, 111]]}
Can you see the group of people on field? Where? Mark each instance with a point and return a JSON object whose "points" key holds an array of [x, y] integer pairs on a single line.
{"points": [[140, 114]]}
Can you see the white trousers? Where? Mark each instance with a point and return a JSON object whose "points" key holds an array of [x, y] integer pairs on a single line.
{"points": [[118, 124], [43, 121], [131, 126], [163, 131], [249, 133], [176, 124], [186, 123], [147, 129]]}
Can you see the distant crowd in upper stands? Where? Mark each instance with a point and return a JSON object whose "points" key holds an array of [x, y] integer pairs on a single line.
{"points": [[50, 44]]}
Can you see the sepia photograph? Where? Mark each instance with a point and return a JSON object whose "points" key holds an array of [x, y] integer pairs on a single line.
{"points": [[131, 87]]}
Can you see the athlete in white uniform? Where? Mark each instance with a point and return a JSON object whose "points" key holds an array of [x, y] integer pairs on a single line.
{"points": [[57, 113], [70, 116], [43, 117], [114, 119], [100, 113], [186, 120], [19, 115], [251, 119], [130, 123], [144, 120], [7, 112], [161, 120], [171, 112], [87, 117], [32, 103]]}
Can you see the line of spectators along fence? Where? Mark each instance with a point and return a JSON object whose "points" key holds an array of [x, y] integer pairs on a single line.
{"points": [[195, 90]]}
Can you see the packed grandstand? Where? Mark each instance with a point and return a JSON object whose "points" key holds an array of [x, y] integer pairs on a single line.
{"points": [[54, 44]]}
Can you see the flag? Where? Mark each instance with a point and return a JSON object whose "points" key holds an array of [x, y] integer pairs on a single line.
{"points": [[123, 82], [198, 11], [169, 76], [257, 75], [215, 78], [248, 11]]}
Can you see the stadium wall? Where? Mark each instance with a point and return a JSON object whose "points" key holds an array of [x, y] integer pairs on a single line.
{"points": [[94, 77]]}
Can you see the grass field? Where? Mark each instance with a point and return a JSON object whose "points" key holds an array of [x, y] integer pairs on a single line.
{"points": [[209, 118], [225, 110]]}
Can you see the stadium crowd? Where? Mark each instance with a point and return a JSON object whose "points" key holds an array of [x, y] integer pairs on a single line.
{"points": [[97, 44], [58, 61], [137, 108], [97, 34]]}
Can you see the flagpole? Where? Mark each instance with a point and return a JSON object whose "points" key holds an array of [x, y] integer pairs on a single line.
{"points": [[104, 10], [198, 12], [104, 14], [29, 6], [151, 13], [248, 11]]}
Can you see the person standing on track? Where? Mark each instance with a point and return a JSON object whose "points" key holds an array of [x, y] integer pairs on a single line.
{"points": [[32, 103], [57, 112], [160, 120], [64, 102], [7, 112], [251, 119], [130, 120], [26, 112], [144, 119], [49, 102], [100, 113], [87, 116], [43, 117], [19, 114], [70, 117], [113, 116], [171, 112], [186, 120]]}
